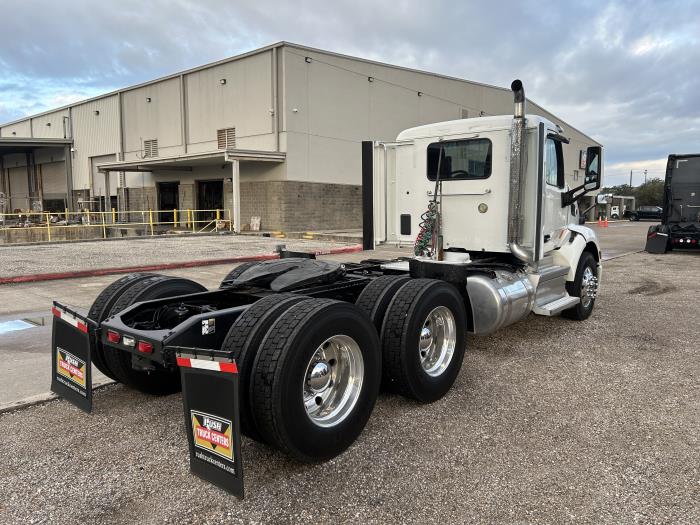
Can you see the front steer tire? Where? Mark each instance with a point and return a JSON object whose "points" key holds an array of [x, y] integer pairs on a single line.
{"points": [[581, 312], [423, 340], [281, 379], [162, 380]]}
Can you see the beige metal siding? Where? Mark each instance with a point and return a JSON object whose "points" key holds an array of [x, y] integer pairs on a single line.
{"points": [[330, 105], [51, 126], [20, 129], [243, 102], [93, 135], [158, 119]]}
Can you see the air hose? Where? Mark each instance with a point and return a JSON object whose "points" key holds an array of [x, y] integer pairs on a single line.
{"points": [[428, 223]]}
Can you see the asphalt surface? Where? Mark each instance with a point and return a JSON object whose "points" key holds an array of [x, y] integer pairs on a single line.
{"points": [[550, 421]]}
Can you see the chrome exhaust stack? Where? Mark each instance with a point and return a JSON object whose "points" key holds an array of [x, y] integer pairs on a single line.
{"points": [[517, 167]]}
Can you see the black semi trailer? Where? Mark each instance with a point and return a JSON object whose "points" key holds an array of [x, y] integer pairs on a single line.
{"points": [[680, 221]]}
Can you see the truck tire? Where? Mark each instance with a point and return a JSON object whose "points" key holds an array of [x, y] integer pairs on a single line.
{"points": [[587, 268], [236, 272], [161, 380], [316, 378], [100, 308], [423, 340], [375, 298], [243, 340]]}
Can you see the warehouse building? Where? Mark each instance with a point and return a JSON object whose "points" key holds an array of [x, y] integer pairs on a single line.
{"points": [[273, 133]]}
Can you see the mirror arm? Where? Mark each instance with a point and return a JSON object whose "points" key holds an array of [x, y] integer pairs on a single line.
{"points": [[569, 197]]}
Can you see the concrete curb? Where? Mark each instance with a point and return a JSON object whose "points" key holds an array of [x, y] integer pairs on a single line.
{"points": [[39, 399], [159, 267]]}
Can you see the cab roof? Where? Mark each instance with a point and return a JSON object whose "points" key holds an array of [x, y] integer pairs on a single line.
{"points": [[469, 125]]}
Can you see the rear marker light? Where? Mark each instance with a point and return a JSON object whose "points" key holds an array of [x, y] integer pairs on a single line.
{"points": [[145, 348], [113, 337], [128, 341]]}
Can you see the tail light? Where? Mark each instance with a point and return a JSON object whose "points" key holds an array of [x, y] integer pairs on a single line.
{"points": [[113, 337], [145, 348]]}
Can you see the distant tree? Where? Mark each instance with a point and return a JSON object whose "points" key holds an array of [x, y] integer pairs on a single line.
{"points": [[651, 193]]}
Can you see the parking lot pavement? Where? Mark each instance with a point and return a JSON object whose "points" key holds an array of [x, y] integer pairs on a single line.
{"points": [[550, 421], [25, 353], [621, 237]]}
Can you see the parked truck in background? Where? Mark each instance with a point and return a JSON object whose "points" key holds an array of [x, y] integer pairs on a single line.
{"points": [[496, 237], [680, 214]]}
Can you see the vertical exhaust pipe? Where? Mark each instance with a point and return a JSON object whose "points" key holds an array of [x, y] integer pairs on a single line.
{"points": [[517, 167]]}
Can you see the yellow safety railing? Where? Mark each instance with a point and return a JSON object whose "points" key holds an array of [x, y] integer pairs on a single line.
{"points": [[53, 225]]}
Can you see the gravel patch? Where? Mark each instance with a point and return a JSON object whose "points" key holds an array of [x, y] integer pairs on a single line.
{"points": [[550, 421], [48, 258]]}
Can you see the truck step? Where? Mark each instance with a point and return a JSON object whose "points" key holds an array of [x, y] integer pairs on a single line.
{"points": [[557, 306]]}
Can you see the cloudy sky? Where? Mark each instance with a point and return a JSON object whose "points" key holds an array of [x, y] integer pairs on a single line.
{"points": [[624, 72]]}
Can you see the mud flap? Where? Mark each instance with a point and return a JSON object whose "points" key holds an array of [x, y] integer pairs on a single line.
{"points": [[658, 240], [72, 340], [210, 398]]}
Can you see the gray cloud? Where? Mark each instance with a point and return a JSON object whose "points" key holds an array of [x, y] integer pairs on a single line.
{"points": [[623, 72]]}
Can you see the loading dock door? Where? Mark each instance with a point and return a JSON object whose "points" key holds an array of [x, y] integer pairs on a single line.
{"points": [[210, 196], [168, 199]]}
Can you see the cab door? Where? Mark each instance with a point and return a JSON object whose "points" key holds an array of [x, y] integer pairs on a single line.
{"points": [[556, 218]]}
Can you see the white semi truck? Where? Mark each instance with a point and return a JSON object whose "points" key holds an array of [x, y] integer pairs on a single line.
{"points": [[293, 352]]}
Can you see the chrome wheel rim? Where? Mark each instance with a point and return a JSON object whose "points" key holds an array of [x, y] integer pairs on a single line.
{"points": [[589, 287], [333, 380], [437, 342]]}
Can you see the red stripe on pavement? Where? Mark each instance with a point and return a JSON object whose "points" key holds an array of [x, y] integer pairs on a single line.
{"points": [[159, 267]]}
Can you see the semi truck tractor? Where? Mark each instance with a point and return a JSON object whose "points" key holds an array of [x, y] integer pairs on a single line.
{"points": [[293, 352], [680, 214]]}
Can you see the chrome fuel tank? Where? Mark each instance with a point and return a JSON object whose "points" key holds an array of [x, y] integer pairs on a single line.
{"points": [[500, 301]]}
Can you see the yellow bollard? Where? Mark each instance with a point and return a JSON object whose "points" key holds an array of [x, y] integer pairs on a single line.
{"points": [[114, 216], [175, 217], [150, 219], [189, 212], [230, 220], [194, 220], [104, 226], [48, 226]]}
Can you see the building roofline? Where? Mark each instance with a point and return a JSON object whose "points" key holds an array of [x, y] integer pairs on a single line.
{"points": [[282, 43], [38, 142]]}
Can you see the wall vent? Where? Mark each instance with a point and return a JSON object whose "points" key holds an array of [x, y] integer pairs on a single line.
{"points": [[150, 148], [465, 113], [226, 138]]}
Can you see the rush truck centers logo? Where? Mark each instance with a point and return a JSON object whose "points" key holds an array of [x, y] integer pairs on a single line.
{"points": [[70, 367], [213, 434]]}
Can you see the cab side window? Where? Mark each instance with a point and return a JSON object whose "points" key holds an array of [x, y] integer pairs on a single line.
{"points": [[554, 163]]}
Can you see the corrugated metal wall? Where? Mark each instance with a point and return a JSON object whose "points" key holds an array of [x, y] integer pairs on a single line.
{"points": [[244, 101], [51, 125], [153, 112], [20, 129], [93, 135]]}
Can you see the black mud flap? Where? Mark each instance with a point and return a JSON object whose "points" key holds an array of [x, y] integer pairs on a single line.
{"points": [[72, 341], [658, 240], [210, 398]]}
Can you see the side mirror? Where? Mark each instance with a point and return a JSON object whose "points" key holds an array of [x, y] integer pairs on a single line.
{"points": [[593, 168]]}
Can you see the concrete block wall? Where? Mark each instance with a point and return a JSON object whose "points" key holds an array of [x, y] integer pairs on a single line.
{"points": [[140, 199], [302, 206]]}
